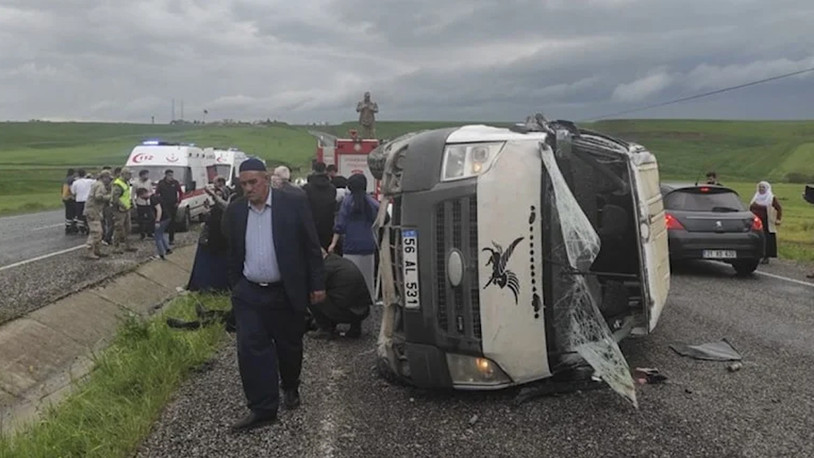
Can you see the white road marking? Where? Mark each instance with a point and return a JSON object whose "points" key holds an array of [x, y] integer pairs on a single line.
{"points": [[39, 258], [47, 227], [780, 277], [24, 215]]}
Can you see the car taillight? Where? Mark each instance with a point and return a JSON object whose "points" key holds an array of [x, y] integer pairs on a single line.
{"points": [[672, 223], [757, 224]]}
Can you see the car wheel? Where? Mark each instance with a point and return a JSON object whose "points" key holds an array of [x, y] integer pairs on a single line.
{"points": [[186, 223], [746, 267]]}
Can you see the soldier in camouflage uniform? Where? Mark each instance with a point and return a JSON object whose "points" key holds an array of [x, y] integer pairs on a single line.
{"points": [[98, 199], [121, 202]]}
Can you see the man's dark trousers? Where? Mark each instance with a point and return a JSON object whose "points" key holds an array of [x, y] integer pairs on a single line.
{"points": [[146, 220], [172, 210], [269, 341]]}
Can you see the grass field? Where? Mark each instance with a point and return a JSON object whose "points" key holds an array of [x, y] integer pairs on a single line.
{"points": [[132, 380], [34, 156], [796, 234]]}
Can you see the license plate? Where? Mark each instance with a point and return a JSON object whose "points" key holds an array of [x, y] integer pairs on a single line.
{"points": [[409, 255], [720, 254]]}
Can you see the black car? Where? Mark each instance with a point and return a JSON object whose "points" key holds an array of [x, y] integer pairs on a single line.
{"points": [[711, 222]]}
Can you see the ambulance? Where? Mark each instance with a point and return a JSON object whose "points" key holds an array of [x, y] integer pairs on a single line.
{"points": [[517, 254], [227, 163], [193, 167]]}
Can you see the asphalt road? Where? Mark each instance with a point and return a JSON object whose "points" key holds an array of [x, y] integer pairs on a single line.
{"points": [[765, 409], [325, 138], [35, 234], [40, 264]]}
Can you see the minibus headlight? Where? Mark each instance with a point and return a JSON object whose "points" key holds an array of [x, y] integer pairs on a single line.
{"points": [[468, 160], [477, 372]]}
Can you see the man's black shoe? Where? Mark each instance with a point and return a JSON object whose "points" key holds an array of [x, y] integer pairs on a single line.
{"points": [[323, 334], [252, 421], [355, 330], [291, 399]]}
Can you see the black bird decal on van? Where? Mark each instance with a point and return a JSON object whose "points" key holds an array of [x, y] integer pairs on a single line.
{"points": [[501, 276]]}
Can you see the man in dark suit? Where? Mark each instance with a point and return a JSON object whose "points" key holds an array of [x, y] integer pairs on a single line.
{"points": [[275, 270]]}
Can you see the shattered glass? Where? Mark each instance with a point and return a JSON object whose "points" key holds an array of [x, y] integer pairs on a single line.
{"points": [[577, 319]]}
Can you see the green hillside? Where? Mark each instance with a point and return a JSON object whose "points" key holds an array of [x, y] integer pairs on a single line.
{"points": [[737, 150], [33, 156], [94, 144]]}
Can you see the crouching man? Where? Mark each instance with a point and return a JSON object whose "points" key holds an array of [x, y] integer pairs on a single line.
{"points": [[347, 298]]}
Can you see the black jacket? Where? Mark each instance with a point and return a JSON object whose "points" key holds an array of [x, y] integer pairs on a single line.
{"points": [[346, 287], [295, 243], [168, 191], [322, 198]]}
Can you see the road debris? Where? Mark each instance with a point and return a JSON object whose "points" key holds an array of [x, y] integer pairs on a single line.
{"points": [[734, 367], [473, 420], [648, 376], [713, 351]]}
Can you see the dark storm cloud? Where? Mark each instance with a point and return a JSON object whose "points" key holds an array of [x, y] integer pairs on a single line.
{"points": [[423, 59]]}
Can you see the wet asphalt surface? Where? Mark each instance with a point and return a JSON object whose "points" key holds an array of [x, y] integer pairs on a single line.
{"points": [[34, 234], [29, 286], [765, 409]]}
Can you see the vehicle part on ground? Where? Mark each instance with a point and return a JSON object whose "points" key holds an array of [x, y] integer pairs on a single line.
{"points": [[713, 351]]}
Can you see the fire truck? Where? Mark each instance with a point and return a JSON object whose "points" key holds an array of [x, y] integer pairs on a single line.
{"points": [[349, 155]]}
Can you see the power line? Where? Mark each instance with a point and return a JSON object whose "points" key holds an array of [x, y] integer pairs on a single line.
{"points": [[705, 94]]}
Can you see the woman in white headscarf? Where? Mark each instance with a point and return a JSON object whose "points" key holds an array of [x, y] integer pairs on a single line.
{"points": [[765, 205]]}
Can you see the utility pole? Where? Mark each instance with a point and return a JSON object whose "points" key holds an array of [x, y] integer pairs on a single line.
{"points": [[182, 109], [152, 119], [173, 111]]}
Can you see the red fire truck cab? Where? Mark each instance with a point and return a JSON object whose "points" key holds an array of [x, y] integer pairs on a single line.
{"points": [[350, 157]]}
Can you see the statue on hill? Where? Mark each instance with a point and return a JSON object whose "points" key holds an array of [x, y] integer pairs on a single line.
{"points": [[367, 110]]}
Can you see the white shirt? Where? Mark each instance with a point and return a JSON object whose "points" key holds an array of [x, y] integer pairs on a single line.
{"points": [[81, 189], [340, 194]]}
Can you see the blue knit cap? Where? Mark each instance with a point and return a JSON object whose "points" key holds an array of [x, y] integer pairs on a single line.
{"points": [[252, 164]]}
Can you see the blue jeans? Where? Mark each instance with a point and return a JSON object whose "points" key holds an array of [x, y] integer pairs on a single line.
{"points": [[161, 243]]}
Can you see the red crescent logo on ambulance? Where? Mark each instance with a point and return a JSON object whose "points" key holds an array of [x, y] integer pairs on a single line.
{"points": [[142, 157], [221, 159], [172, 158]]}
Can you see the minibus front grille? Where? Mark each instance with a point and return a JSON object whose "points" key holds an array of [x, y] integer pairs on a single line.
{"points": [[456, 229]]}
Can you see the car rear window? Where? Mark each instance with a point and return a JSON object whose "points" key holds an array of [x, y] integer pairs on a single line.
{"points": [[694, 200]]}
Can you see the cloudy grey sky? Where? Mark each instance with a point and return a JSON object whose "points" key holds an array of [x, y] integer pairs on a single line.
{"points": [[311, 60]]}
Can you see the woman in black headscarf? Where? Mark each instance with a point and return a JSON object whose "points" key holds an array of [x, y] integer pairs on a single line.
{"points": [[208, 270], [357, 214]]}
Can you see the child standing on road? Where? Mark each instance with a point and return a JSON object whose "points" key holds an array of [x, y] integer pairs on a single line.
{"points": [[162, 221]]}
